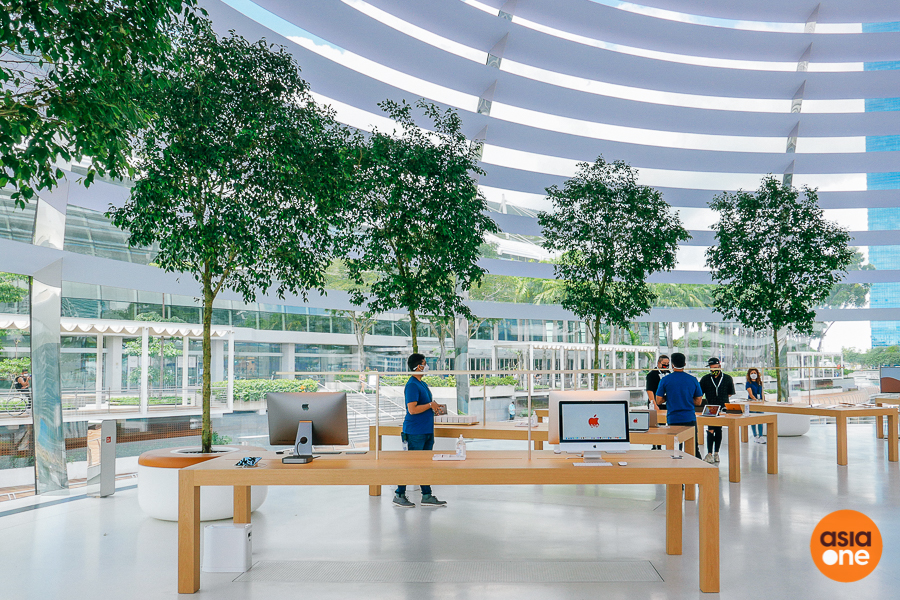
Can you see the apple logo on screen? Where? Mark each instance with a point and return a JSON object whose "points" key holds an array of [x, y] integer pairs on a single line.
{"points": [[594, 421]]}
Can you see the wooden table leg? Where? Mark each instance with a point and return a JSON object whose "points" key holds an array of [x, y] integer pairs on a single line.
{"points": [[734, 455], [772, 443], [538, 444], [690, 489], [374, 490], [893, 450], [673, 519], [709, 535], [242, 504], [879, 427], [841, 422], [744, 435], [188, 533]]}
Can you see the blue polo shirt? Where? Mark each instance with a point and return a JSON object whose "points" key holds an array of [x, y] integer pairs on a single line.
{"points": [[418, 392], [679, 390]]}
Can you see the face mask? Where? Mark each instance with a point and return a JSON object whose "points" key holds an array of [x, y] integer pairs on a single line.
{"points": [[424, 368], [753, 376], [715, 371]]}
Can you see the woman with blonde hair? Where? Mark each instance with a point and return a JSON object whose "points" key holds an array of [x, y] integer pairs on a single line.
{"points": [[755, 394]]}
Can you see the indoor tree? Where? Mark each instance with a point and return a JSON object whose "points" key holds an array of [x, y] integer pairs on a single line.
{"points": [[420, 217], [74, 75], [612, 233], [241, 177], [776, 260]]}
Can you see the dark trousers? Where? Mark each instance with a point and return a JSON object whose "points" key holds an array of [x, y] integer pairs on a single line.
{"points": [[417, 441], [714, 438], [696, 437]]}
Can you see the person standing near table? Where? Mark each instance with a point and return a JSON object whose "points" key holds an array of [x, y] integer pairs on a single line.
{"points": [[755, 393], [418, 426], [681, 392], [718, 387], [512, 410], [653, 379]]}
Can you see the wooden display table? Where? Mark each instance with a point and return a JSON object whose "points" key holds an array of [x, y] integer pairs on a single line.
{"points": [[735, 423], [480, 468], [506, 430], [840, 414], [879, 420]]}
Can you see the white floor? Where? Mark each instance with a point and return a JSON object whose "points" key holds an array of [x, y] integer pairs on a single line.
{"points": [[80, 548]]}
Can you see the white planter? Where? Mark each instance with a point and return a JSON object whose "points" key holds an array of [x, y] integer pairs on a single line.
{"points": [[158, 488]]}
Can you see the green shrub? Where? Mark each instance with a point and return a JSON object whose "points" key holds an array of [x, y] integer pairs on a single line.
{"points": [[431, 380], [494, 381], [255, 390]]}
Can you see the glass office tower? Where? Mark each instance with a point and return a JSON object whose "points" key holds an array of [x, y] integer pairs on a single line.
{"points": [[884, 295]]}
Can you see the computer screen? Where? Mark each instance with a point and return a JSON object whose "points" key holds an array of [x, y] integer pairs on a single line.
{"points": [[326, 410], [639, 420], [577, 396], [588, 422]]}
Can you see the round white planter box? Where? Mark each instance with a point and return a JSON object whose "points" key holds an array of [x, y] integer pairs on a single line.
{"points": [[790, 425], [158, 484]]}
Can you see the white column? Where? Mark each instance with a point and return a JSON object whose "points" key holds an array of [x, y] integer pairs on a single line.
{"points": [[562, 367], [145, 368], [99, 372], [185, 363], [637, 375], [229, 395], [493, 357], [614, 366], [288, 360], [114, 365]]}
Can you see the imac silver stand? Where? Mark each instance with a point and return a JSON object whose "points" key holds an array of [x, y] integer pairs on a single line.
{"points": [[302, 446], [592, 456]]}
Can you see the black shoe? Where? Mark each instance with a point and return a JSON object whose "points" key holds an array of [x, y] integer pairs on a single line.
{"points": [[432, 501], [402, 501]]}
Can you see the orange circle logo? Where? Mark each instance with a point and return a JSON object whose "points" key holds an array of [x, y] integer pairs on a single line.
{"points": [[846, 546]]}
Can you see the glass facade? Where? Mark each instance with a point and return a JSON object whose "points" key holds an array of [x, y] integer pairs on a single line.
{"points": [[884, 295]]}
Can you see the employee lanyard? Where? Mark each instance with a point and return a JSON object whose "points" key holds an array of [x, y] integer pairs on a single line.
{"points": [[721, 377]]}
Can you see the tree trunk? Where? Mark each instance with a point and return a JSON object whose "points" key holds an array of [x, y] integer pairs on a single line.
{"points": [[360, 347], [596, 353], [206, 435], [413, 325], [777, 367], [822, 337], [670, 334]]}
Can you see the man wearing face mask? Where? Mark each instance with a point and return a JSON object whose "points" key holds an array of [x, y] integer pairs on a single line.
{"points": [[653, 377], [418, 426], [717, 388]]}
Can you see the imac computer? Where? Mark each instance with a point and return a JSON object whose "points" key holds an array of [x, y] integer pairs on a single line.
{"points": [[593, 427], [577, 396], [302, 419]]}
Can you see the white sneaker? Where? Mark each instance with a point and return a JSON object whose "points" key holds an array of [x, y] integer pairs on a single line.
{"points": [[709, 458], [761, 440], [716, 457]]}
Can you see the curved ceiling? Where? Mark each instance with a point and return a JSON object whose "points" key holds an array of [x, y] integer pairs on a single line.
{"points": [[563, 90]]}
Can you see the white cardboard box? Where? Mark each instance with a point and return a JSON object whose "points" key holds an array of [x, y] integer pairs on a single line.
{"points": [[227, 548]]}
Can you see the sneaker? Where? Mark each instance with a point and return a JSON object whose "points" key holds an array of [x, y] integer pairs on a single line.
{"points": [[716, 457], [432, 501], [760, 440], [402, 501], [709, 458]]}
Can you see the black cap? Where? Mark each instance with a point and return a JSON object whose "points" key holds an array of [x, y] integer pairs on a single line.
{"points": [[712, 361]]}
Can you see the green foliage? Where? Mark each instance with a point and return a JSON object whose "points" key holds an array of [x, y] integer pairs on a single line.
{"points": [[494, 380], [12, 288], [886, 356], [73, 76], [255, 390], [432, 380], [219, 439], [11, 367], [133, 348], [683, 295], [421, 217], [612, 234], [777, 258], [156, 318]]}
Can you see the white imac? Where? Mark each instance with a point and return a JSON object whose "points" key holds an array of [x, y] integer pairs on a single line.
{"points": [[577, 396], [593, 427]]}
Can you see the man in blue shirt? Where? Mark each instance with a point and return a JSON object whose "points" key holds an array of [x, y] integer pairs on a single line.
{"points": [[681, 392], [418, 426]]}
